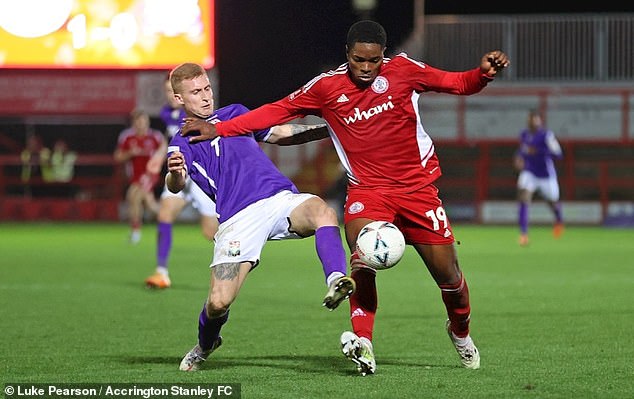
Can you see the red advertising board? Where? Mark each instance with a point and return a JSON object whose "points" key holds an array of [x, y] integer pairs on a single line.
{"points": [[64, 92]]}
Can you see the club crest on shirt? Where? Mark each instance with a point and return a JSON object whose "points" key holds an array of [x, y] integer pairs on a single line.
{"points": [[234, 248], [380, 85], [355, 207]]}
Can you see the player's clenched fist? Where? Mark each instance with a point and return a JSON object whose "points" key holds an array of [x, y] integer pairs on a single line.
{"points": [[175, 162], [175, 178], [493, 62]]}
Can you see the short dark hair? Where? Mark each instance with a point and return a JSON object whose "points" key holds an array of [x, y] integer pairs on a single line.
{"points": [[366, 31]]}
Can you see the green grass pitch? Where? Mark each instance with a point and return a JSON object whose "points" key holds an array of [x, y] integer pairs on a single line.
{"points": [[552, 320]]}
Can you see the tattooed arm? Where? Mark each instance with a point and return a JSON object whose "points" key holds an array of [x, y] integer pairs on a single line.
{"points": [[293, 134]]}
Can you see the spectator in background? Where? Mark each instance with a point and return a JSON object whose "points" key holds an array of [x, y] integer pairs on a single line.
{"points": [[33, 156], [136, 145], [58, 166], [537, 173], [61, 164]]}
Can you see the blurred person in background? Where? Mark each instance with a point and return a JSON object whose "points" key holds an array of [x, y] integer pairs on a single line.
{"points": [[534, 162], [34, 158], [136, 145], [58, 166], [172, 204], [61, 163]]}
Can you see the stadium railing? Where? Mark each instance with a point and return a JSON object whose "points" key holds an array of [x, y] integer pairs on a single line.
{"points": [[94, 193]]}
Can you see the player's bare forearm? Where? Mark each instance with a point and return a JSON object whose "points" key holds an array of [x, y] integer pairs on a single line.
{"points": [[294, 134], [122, 156], [175, 181], [155, 163]]}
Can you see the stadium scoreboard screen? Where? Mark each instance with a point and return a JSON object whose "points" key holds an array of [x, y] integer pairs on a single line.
{"points": [[104, 34]]}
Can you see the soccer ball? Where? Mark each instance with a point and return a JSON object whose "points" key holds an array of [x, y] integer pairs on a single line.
{"points": [[380, 245]]}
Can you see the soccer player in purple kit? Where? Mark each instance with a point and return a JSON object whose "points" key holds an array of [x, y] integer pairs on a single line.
{"points": [[537, 173], [255, 203], [172, 204]]}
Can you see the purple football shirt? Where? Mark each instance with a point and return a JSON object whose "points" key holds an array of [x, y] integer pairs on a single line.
{"points": [[233, 171], [172, 118], [538, 150]]}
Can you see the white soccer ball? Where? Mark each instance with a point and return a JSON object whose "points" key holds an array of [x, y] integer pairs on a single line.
{"points": [[380, 245]]}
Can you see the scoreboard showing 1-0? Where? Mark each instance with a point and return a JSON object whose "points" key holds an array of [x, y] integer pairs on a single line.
{"points": [[105, 34]]}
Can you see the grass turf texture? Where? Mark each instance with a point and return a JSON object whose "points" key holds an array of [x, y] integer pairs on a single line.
{"points": [[552, 320]]}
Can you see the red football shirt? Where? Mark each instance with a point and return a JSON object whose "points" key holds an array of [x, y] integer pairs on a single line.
{"points": [[142, 146], [377, 131]]}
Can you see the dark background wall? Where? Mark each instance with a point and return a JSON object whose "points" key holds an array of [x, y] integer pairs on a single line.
{"points": [[267, 49]]}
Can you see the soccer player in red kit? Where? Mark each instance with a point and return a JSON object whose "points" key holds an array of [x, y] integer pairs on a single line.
{"points": [[370, 105], [136, 145]]}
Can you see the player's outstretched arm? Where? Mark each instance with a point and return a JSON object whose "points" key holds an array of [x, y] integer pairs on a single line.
{"points": [[198, 130], [493, 62], [294, 134], [155, 163]]}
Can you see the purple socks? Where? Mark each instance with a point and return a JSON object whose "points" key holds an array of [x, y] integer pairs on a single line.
{"points": [[164, 244], [209, 329], [330, 250], [523, 217]]}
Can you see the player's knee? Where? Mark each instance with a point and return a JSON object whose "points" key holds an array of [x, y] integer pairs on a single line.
{"points": [[451, 277], [209, 227], [209, 235], [165, 215], [209, 232], [216, 307], [325, 215]]}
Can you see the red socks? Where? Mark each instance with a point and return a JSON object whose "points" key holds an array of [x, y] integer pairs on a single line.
{"points": [[363, 302], [456, 299]]}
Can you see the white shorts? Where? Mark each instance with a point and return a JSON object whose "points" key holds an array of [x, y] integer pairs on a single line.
{"points": [[193, 194], [547, 187], [242, 237]]}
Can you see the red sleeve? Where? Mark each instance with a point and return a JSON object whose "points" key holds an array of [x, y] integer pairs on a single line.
{"points": [[260, 118], [464, 83], [467, 82], [124, 145], [428, 78]]}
